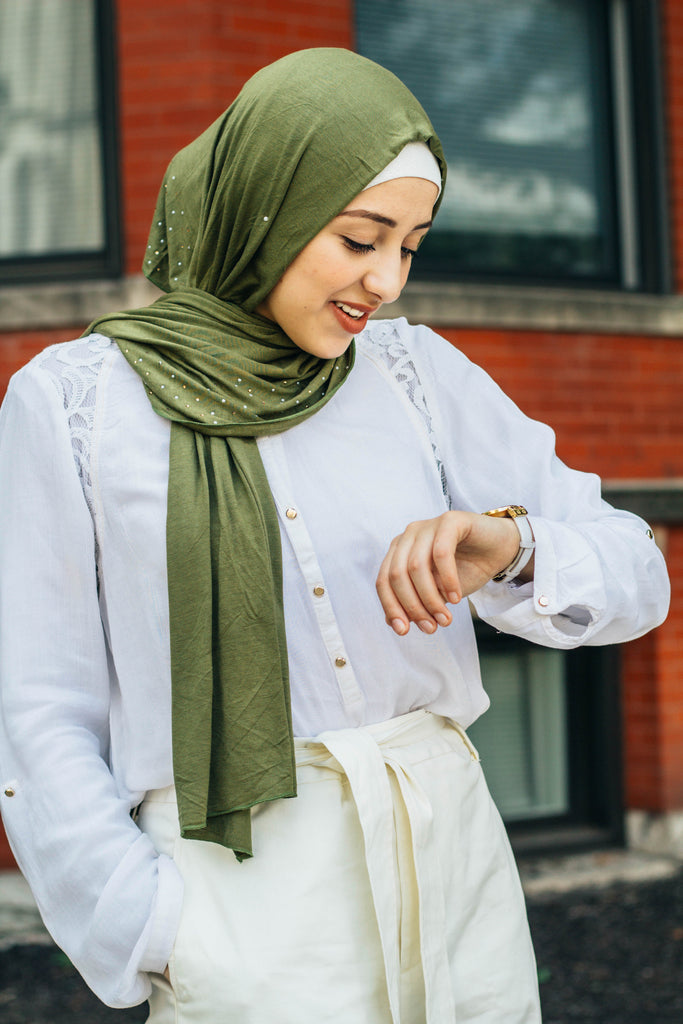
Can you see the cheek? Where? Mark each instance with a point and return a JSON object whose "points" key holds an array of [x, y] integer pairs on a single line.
{"points": [[315, 280], [317, 273]]}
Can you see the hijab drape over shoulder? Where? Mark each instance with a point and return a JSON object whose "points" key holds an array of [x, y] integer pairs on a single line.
{"points": [[304, 136]]}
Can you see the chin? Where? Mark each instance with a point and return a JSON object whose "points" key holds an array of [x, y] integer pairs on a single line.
{"points": [[324, 349]]}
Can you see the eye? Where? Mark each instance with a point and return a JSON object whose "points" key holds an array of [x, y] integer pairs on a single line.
{"points": [[408, 254], [357, 246]]}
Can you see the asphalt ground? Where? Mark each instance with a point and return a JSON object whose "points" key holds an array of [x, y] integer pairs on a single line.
{"points": [[607, 927]]}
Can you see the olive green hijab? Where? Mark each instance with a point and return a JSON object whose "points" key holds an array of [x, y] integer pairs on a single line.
{"points": [[304, 136]]}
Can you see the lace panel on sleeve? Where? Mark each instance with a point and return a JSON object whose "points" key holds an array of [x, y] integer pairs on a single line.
{"points": [[383, 342], [73, 368]]}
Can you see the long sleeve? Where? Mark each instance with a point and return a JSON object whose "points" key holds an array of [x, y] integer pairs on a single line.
{"points": [[106, 896], [599, 576]]}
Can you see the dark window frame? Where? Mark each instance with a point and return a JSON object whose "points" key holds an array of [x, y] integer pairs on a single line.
{"points": [[106, 262], [594, 749], [645, 152], [650, 151]]}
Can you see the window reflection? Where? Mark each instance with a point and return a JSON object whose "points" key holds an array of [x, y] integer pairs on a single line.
{"points": [[517, 92], [50, 157]]}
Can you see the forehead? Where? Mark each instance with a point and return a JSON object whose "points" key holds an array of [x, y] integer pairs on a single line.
{"points": [[396, 202]]}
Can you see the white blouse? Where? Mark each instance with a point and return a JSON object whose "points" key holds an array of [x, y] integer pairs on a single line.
{"points": [[85, 724]]}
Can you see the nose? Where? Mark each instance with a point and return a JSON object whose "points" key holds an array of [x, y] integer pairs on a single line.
{"points": [[386, 277]]}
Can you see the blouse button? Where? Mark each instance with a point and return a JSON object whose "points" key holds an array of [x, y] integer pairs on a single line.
{"points": [[543, 601], [9, 791], [340, 662], [291, 513], [650, 534], [318, 591]]}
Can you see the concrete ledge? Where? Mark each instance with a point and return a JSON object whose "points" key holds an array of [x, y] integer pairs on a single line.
{"points": [[595, 869], [542, 309], [660, 834], [656, 501], [442, 304], [26, 307]]}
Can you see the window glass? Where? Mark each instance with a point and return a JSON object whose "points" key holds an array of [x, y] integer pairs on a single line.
{"points": [[51, 173], [522, 738], [518, 92]]}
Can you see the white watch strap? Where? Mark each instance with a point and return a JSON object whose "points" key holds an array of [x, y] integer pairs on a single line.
{"points": [[523, 556]]}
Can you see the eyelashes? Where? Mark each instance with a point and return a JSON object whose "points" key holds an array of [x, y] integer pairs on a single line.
{"points": [[359, 247], [363, 248]]}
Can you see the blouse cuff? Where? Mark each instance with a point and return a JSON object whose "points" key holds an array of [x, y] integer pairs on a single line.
{"points": [[565, 601], [165, 919]]}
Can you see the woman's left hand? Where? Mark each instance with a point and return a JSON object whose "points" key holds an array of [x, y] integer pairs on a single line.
{"points": [[436, 562]]}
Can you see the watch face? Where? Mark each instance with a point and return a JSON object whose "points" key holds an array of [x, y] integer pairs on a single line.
{"points": [[507, 510]]}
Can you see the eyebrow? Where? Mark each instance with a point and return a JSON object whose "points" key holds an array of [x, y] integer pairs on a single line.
{"points": [[371, 215]]}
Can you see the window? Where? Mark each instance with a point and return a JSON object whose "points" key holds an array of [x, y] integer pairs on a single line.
{"points": [[58, 209], [524, 732], [543, 134], [549, 743]]}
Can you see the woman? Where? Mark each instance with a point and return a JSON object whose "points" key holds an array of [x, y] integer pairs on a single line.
{"points": [[152, 668]]}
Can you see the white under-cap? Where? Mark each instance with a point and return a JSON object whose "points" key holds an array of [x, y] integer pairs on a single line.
{"points": [[415, 160]]}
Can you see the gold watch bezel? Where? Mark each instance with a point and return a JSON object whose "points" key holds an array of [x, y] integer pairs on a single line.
{"points": [[512, 511]]}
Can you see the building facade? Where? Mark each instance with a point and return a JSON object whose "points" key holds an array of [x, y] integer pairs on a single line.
{"points": [[558, 268]]}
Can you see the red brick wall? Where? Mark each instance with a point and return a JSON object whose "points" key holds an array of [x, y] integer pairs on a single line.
{"points": [[180, 66], [614, 402], [669, 667], [641, 724], [653, 703], [17, 347]]}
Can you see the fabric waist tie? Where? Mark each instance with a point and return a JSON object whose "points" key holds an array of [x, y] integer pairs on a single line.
{"points": [[366, 756]]}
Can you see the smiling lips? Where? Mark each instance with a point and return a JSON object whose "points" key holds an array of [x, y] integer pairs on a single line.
{"points": [[352, 318]]}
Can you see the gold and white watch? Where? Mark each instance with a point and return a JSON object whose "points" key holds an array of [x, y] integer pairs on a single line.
{"points": [[526, 540]]}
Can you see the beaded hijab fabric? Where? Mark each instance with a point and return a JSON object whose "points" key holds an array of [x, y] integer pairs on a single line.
{"points": [[302, 139]]}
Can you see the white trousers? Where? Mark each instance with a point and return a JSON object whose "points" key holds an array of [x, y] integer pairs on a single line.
{"points": [[385, 893]]}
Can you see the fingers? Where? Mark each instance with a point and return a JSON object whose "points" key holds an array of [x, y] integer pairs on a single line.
{"points": [[444, 547], [394, 612], [411, 586], [439, 561]]}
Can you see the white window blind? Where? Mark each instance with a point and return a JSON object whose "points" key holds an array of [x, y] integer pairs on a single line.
{"points": [[51, 192]]}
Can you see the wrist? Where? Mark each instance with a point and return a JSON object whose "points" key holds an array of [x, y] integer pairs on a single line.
{"points": [[521, 566]]}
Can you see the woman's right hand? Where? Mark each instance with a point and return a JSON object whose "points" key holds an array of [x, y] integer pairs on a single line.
{"points": [[437, 562]]}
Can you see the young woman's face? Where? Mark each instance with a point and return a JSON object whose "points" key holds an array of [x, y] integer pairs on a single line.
{"points": [[360, 260]]}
